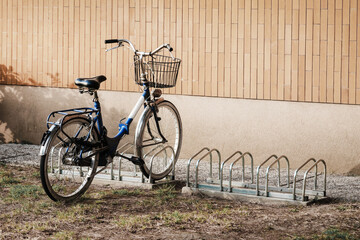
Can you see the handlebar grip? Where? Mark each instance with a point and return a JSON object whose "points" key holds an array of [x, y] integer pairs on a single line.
{"points": [[169, 47], [111, 41]]}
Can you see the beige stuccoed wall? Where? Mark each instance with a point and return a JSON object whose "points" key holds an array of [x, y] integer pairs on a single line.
{"points": [[298, 130]]}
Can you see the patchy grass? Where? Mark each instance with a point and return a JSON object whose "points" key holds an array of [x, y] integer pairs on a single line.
{"points": [[127, 192], [20, 192], [166, 193], [104, 212], [329, 234], [334, 233], [65, 235], [7, 177]]}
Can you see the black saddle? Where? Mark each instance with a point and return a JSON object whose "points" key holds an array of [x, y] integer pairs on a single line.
{"points": [[90, 83]]}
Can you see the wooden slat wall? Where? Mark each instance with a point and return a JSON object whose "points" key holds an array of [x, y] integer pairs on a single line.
{"points": [[294, 50]]}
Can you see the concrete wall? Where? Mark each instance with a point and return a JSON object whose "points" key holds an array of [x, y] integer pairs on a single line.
{"points": [[298, 130]]}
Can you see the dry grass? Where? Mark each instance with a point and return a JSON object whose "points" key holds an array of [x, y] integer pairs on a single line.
{"points": [[26, 212]]}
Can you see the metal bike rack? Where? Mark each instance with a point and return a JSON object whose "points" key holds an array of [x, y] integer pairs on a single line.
{"points": [[305, 177], [242, 157], [286, 192], [267, 173], [296, 172], [118, 172], [243, 169], [222, 168], [209, 153], [258, 172], [136, 175], [172, 160]]}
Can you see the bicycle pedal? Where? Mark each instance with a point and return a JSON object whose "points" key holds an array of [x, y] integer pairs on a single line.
{"points": [[137, 160]]}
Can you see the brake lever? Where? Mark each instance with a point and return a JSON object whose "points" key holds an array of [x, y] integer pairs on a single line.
{"points": [[170, 50], [120, 45]]}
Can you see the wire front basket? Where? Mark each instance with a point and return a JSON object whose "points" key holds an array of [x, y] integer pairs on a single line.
{"points": [[161, 71]]}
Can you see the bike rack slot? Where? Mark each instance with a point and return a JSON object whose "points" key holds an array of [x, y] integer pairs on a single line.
{"points": [[296, 172], [258, 171], [267, 173], [222, 167], [210, 172], [243, 169], [173, 162], [286, 192], [209, 154], [305, 177], [189, 162], [242, 157]]}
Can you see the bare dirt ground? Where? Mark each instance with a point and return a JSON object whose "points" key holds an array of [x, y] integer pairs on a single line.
{"points": [[105, 212]]}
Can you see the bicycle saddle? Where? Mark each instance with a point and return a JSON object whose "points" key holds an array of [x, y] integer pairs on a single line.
{"points": [[90, 83]]}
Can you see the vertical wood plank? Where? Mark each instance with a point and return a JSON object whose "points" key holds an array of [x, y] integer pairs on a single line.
{"points": [[294, 70], [254, 52], [352, 73], [196, 30], [357, 81], [324, 24], [344, 79], [228, 26], [185, 44], [267, 53], [247, 50], [65, 48], [241, 34], [274, 50], [7, 35], [2, 37], [323, 76], [316, 79], [208, 45], [330, 52], [301, 82], [202, 48], [260, 50], [126, 56]]}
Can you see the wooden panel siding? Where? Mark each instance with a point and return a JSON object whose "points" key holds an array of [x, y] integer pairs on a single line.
{"points": [[291, 50]]}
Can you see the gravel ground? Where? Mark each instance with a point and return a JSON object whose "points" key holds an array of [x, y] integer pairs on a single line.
{"points": [[339, 187]]}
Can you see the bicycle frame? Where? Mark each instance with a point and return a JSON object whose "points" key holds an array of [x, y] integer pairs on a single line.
{"points": [[113, 142]]}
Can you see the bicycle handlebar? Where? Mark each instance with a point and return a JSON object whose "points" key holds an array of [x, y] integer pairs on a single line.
{"points": [[121, 41]]}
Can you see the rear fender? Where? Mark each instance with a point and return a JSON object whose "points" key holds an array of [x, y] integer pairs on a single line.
{"points": [[45, 139]]}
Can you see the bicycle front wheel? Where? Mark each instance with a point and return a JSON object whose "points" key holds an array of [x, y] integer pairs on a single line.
{"points": [[154, 135], [69, 165]]}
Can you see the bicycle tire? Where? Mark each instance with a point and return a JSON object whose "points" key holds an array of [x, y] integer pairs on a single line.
{"points": [[147, 139], [61, 180]]}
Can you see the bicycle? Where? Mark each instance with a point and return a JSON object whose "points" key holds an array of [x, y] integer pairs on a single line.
{"points": [[76, 144]]}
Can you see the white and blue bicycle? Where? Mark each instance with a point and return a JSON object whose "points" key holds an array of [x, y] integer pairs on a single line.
{"points": [[76, 142]]}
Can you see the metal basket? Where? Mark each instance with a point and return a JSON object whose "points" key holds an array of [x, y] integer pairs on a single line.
{"points": [[161, 71]]}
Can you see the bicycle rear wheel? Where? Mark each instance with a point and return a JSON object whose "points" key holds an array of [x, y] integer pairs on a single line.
{"points": [[148, 139], [64, 177]]}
